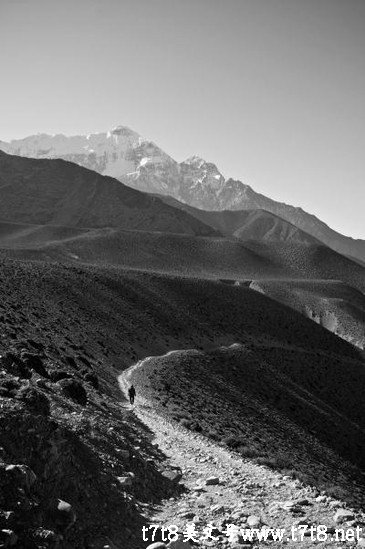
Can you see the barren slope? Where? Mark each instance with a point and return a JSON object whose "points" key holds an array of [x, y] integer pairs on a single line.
{"points": [[56, 192], [334, 305], [247, 224], [209, 257]]}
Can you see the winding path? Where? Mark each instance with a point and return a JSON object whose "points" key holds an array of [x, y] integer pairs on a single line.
{"points": [[244, 488]]}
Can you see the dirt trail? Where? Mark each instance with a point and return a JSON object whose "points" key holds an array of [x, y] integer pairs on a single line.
{"points": [[247, 494]]}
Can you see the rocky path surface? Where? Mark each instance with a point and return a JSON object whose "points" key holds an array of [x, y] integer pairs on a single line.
{"points": [[222, 489]]}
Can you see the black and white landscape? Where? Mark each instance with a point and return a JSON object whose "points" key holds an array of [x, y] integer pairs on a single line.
{"points": [[125, 155], [239, 319]]}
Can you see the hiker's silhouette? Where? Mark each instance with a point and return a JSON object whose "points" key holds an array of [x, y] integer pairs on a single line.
{"points": [[132, 394]]}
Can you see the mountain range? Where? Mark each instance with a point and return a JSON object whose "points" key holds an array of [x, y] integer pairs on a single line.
{"points": [[139, 163], [55, 210]]}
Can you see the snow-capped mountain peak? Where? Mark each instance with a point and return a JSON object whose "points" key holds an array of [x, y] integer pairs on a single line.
{"points": [[195, 160], [125, 155], [123, 130]]}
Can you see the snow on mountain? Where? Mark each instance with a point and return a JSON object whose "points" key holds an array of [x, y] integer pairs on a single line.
{"points": [[141, 164], [115, 153]]}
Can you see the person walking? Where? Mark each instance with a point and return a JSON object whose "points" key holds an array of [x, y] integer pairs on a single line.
{"points": [[131, 394]]}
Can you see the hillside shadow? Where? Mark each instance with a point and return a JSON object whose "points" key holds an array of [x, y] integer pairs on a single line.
{"points": [[267, 404]]}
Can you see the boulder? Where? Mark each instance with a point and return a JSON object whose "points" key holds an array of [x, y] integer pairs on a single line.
{"points": [[187, 514], [173, 476], [343, 515], [302, 502], [22, 475], [291, 506], [253, 521], [235, 538], [92, 379], [35, 400], [74, 390], [34, 362], [321, 499], [63, 515], [212, 481], [8, 538], [125, 481], [57, 375], [202, 501], [16, 367], [335, 504]]}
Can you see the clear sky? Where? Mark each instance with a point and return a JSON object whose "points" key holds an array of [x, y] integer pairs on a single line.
{"points": [[272, 91]]}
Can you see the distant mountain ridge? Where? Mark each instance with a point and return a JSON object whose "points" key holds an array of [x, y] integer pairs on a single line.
{"points": [[247, 224], [139, 163]]}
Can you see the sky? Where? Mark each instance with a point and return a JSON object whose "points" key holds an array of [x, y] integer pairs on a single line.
{"points": [[271, 91]]}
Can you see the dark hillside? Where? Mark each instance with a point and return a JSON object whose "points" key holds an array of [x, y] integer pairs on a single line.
{"points": [[297, 410], [336, 306], [56, 192]]}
